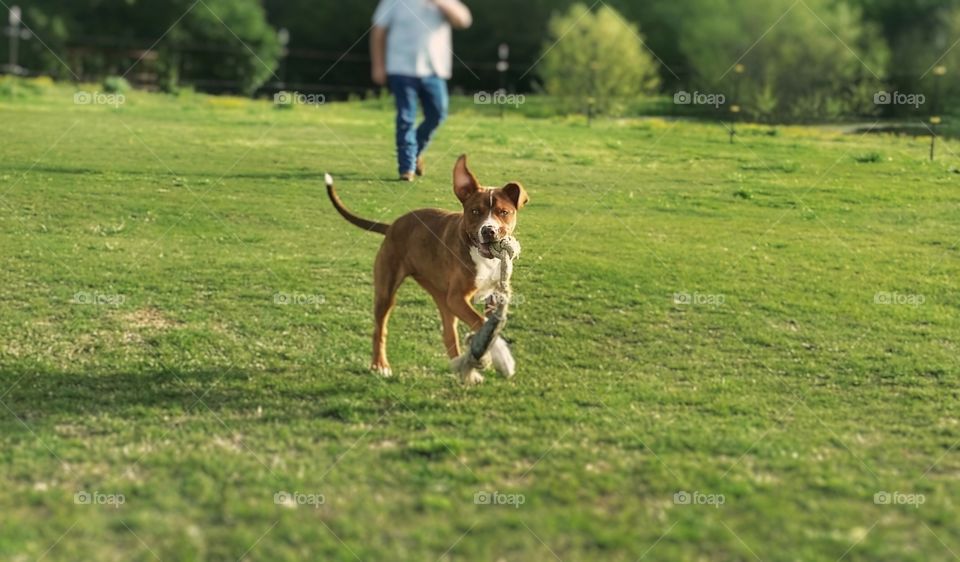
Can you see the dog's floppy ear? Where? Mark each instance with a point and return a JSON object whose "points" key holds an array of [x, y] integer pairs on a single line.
{"points": [[465, 183], [517, 194]]}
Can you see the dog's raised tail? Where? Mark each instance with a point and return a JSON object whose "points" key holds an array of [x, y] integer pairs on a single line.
{"points": [[371, 226]]}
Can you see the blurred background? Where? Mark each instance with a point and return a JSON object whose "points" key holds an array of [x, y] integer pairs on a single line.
{"points": [[771, 60]]}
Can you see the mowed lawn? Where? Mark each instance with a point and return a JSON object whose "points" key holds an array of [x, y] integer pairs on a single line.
{"points": [[770, 327]]}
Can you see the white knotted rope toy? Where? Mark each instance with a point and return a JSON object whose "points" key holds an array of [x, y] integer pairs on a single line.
{"points": [[477, 356]]}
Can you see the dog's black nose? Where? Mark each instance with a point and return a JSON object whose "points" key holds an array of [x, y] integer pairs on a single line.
{"points": [[488, 233]]}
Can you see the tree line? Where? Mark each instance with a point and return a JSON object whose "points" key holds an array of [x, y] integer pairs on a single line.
{"points": [[781, 59]]}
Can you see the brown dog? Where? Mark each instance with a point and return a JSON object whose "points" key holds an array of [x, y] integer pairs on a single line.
{"points": [[448, 254]]}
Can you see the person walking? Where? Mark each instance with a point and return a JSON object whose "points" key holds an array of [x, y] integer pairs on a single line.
{"points": [[412, 53]]}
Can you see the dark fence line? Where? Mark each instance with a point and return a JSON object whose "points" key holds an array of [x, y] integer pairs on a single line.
{"points": [[347, 71], [92, 58]]}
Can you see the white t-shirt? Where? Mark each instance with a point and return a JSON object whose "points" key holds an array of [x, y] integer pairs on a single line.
{"points": [[418, 39]]}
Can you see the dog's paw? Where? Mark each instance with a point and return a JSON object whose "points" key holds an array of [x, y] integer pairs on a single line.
{"points": [[471, 378], [382, 370], [466, 368], [501, 358]]}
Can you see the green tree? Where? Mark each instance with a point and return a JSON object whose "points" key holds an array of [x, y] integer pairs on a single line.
{"points": [[940, 67], [596, 61], [249, 49], [920, 33], [801, 61], [223, 41]]}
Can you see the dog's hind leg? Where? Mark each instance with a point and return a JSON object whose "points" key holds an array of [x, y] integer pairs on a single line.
{"points": [[387, 279]]}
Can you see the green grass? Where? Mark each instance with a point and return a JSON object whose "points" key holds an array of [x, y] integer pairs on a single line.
{"points": [[691, 316]]}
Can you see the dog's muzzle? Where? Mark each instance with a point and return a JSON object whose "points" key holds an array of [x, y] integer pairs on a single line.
{"points": [[484, 248], [488, 234], [487, 237]]}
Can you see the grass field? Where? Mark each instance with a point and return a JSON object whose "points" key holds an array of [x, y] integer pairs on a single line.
{"points": [[769, 327]]}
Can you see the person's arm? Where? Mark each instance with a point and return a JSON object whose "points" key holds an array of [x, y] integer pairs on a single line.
{"points": [[382, 20], [378, 55], [455, 12]]}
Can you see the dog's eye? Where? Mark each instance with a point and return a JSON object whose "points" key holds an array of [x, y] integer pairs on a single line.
{"points": [[504, 213], [476, 212]]}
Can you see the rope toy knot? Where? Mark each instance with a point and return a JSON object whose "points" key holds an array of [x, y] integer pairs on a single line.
{"points": [[507, 248]]}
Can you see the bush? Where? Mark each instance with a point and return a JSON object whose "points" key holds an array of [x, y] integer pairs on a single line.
{"points": [[596, 62], [12, 87], [868, 157], [794, 69], [116, 85], [248, 47]]}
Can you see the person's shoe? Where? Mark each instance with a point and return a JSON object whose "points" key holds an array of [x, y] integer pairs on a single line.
{"points": [[408, 176], [420, 166]]}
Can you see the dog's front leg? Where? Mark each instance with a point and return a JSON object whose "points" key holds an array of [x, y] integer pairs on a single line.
{"points": [[460, 306], [462, 309], [448, 320]]}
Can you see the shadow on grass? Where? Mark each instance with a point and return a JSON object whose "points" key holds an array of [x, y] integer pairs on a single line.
{"points": [[38, 397]]}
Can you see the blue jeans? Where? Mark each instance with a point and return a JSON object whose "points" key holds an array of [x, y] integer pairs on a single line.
{"points": [[431, 92]]}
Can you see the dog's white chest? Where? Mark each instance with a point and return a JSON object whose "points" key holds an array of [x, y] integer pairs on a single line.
{"points": [[488, 273]]}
